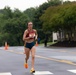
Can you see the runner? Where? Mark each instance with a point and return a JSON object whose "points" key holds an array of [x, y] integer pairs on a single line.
{"points": [[30, 35]]}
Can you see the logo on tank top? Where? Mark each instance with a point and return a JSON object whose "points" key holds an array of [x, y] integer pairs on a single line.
{"points": [[32, 35]]}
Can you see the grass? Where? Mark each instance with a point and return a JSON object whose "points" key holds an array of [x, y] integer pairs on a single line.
{"points": [[49, 43]]}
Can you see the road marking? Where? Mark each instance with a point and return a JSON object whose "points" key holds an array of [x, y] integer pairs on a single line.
{"points": [[8, 73], [42, 73], [53, 59], [73, 71], [15, 52]]}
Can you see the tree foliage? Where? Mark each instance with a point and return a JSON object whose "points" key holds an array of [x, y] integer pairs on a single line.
{"points": [[13, 24], [60, 18], [48, 17]]}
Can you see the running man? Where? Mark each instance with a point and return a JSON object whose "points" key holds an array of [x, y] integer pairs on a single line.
{"points": [[29, 37]]}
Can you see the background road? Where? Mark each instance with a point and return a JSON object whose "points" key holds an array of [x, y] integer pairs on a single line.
{"points": [[49, 61]]}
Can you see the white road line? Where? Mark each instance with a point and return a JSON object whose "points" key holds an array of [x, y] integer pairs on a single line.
{"points": [[6, 73], [73, 71], [42, 73]]}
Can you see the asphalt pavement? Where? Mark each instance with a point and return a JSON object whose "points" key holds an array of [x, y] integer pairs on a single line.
{"points": [[48, 61]]}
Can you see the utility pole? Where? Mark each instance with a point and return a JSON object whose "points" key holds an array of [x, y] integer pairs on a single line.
{"points": [[62, 2]]}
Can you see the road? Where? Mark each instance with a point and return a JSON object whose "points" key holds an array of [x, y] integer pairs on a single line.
{"points": [[49, 61]]}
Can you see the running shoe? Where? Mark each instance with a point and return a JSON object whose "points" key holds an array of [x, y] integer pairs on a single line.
{"points": [[26, 65], [32, 71]]}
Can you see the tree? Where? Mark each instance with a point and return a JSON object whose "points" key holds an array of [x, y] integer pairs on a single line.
{"points": [[30, 13], [7, 12], [12, 26], [61, 18], [15, 28], [40, 11]]}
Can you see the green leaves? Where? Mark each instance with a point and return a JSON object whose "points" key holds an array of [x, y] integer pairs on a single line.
{"points": [[12, 26], [59, 17]]}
